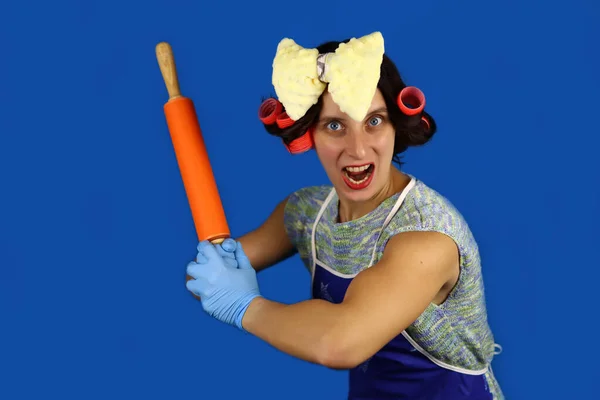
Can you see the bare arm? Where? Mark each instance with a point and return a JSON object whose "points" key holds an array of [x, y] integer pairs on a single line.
{"points": [[269, 243], [380, 303]]}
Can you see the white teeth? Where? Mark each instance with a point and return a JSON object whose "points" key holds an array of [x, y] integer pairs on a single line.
{"points": [[358, 169], [358, 182]]}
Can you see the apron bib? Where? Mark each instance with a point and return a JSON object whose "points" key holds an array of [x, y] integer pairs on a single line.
{"points": [[401, 369]]}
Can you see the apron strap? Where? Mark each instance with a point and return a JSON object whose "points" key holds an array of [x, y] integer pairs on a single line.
{"points": [[390, 215], [313, 246]]}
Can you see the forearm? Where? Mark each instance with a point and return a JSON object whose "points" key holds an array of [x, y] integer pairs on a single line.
{"points": [[311, 330], [264, 252], [269, 243]]}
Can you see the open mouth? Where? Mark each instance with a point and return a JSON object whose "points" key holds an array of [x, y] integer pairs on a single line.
{"points": [[358, 176]]}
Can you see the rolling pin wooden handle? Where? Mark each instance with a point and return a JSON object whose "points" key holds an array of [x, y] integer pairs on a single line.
{"points": [[166, 62]]}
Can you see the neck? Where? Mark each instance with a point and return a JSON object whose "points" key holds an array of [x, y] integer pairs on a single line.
{"points": [[350, 210]]}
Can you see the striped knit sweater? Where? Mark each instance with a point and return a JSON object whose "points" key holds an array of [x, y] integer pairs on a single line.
{"points": [[455, 332]]}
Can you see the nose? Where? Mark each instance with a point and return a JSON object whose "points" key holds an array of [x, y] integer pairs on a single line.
{"points": [[356, 145]]}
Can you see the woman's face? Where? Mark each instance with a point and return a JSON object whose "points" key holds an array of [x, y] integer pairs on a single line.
{"points": [[356, 155]]}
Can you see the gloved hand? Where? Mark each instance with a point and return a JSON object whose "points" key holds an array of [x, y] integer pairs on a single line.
{"points": [[226, 249], [226, 285]]}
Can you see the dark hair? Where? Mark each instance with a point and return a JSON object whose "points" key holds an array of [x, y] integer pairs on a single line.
{"points": [[409, 131]]}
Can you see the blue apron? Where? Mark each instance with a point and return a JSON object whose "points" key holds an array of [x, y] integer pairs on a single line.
{"points": [[401, 369]]}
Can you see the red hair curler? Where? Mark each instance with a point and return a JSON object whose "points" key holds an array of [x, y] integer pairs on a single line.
{"points": [[284, 121], [299, 145], [411, 102], [302, 144], [269, 110], [425, 123]]}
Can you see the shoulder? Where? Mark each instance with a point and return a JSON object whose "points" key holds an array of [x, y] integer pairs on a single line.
{"points": [[425, 209], [421, 236], [306, 201], [428, 253]]}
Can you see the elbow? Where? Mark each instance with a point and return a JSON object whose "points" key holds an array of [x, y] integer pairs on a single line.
{"points": [[339, 354]]}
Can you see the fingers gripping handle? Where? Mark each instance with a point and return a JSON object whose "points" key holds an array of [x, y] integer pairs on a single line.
{"points": [[166, 63]]}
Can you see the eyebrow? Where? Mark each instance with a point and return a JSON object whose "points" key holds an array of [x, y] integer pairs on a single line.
{"points": [[336, 117], [379, 110]]}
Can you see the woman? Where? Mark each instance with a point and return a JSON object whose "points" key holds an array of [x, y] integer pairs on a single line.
{"points": [[398, 296]]}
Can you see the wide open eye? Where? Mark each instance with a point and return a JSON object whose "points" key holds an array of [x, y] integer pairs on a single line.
{"points": [[374, 121], [334, 126]]}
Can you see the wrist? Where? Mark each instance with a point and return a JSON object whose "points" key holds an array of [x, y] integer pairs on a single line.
{"points": [[243, 311], [252, 313]]}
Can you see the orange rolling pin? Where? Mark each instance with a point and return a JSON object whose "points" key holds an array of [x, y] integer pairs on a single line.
{"points": [[192, 158]]}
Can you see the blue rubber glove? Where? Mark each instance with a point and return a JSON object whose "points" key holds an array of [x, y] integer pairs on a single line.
{"points": [[226, 249], [226, 285]]}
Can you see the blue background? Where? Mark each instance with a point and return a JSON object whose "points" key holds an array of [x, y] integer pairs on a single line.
{"points": [[95, 229]]}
